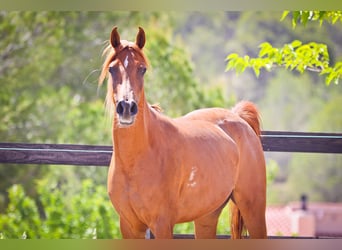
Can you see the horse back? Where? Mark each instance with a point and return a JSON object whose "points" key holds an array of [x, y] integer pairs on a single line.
{"points": [[241, 124]]}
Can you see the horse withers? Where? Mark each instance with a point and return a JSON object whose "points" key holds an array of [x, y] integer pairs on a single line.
{"points": [[166, 171]]}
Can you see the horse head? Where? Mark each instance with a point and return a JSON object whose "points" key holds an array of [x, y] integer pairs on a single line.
{"points": [[126, 69]]}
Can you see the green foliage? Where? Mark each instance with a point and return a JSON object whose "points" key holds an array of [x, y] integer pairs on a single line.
{"points": [[171, 81], [272, 172], [321, 181], [87, 215], [171, 72], [329, 114], [44, 97], [305, 16], [22, 215], [299, 56], [297, 92], [316, 175], [293, 56], [323, 173]]}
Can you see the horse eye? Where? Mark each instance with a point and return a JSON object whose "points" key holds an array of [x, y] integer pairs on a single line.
{"points": [[142, 70], [113, 70]]}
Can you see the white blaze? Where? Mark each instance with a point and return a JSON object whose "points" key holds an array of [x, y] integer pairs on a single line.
{"points": [[126, 62]]}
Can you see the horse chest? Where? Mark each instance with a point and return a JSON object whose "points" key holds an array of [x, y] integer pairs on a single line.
{"points": [[135, 192]]}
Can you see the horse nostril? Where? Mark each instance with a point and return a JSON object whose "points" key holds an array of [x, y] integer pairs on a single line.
{"points": [[120, 107], [133, 108]]}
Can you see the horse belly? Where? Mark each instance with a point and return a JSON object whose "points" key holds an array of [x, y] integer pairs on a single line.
{"points": [[209, 179]]}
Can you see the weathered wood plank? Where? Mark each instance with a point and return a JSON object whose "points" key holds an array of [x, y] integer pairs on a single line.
{"points": [[223, 237], [150, 236], [277, 141], [59, 154]]}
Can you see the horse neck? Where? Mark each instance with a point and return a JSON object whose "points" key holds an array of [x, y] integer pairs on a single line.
{"points": [[132, 141]]}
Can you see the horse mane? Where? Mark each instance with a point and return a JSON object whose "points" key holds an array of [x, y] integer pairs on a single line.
{"points": [[110, 55], [157, 107]]}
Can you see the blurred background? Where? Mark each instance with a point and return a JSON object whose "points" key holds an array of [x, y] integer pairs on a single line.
{"points": [[49, 66]]}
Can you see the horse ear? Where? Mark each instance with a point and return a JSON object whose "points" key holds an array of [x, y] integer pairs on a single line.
{"points": [[115, 38], [140, 40]]}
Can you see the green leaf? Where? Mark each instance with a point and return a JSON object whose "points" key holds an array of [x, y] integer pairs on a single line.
{"points": [[230, 65], [321, 15], [265, 48], [232, 56], [305, 17], [246, 58], [295, 17], [256, 70], [329, 78], [284, 15], [296, 43], [336, 18], [240, 65], [256, 64]]}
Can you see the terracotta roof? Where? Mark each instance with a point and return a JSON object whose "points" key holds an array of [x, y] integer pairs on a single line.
{"points": [[278, 221], [328, 217]]}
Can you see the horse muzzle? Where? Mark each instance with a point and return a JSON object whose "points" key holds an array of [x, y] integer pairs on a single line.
{"points": [[126, 109]]}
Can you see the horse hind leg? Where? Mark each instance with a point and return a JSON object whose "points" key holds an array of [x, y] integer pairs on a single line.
{"points": [[205, 227], [251, 213]]}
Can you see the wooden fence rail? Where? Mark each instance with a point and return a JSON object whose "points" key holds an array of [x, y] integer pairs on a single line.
{"points": [[88, 155]]}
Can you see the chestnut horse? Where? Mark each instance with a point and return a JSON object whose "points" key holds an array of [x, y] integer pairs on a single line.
{"points": [[166, 171]]}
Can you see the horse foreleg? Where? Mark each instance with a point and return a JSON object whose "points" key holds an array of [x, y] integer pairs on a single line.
{"points": [[161, 229], [129, 230]]}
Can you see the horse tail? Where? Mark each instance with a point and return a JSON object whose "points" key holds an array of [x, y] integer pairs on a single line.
{"points": [[249, 112], [237, 225]]}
